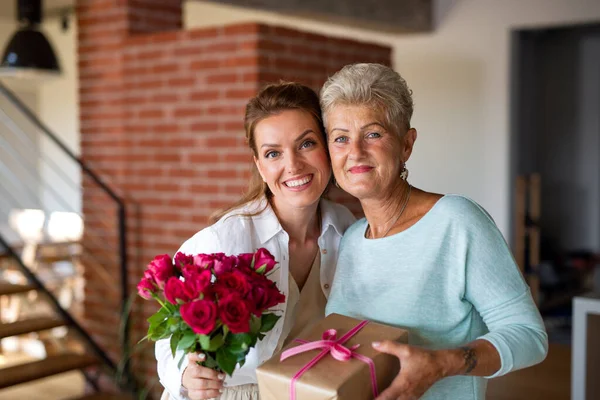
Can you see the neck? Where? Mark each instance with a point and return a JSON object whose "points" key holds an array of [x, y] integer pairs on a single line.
{"points": [[382, 212], [301, 224]]}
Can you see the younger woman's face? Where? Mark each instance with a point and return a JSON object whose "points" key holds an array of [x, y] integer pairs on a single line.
{"points": [[292, 159]]}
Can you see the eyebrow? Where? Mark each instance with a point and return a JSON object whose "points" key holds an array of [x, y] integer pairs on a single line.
{"points": [[299, 138], [361, 128]]}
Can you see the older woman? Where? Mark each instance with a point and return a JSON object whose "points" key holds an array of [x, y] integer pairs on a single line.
{"points": [[434, 264]]}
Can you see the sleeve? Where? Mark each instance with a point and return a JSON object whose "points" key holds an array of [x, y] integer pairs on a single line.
{"points": [[169, 373], [497, 290]]}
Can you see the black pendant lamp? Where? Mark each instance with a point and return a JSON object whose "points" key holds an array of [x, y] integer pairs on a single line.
{"points": [[28, 51]]}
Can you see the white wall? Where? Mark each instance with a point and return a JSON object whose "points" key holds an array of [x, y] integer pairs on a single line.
{"points": [[460, 78], [55, 102], [59, 111]]}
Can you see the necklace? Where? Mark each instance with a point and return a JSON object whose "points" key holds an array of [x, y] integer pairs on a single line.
{"points": [[370, 233]]}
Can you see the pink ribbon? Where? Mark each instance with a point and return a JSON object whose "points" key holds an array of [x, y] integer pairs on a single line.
{"points": [[333, 346]]}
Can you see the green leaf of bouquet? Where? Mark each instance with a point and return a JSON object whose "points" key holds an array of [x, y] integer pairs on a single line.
{"points": [[255, 324], [175, 337], [210, 361], [158, 317], [159, 331], [204, 342], [173, 324], [188, 339], [226, 361], [268, 322], [215, 343], [239, 342]]}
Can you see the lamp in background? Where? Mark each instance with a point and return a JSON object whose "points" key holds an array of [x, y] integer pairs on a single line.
{"points": [[29, 52]]}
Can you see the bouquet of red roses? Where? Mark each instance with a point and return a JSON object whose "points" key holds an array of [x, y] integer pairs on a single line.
{"points": [[213, 303]]}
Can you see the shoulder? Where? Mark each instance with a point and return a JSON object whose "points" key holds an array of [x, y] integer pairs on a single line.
{"points": [[230, 230], [464, 213]]}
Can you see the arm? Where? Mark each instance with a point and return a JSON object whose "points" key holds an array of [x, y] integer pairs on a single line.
{"points": [[495, 287], [169, 372]]}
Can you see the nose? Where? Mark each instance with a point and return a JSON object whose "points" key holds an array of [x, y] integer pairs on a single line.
{"points": [[294, 163], [357, 150]]}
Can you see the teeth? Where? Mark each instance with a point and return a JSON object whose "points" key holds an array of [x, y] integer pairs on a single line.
{"points": [[299, 182]]}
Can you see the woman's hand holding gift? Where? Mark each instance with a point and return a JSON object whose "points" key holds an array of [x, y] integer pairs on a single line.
{"points": [[419, 370]]}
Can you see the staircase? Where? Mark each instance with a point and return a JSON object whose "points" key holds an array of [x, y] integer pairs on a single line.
{"points": [[43, 265]]}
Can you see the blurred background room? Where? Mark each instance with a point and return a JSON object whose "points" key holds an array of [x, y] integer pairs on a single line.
{"points": [[121, 131]]}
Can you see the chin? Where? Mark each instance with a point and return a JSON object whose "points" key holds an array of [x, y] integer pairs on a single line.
{"points": [[302, 201], [358, 191]]}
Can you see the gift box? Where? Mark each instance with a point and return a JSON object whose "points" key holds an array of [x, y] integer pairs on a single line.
{"points": [[335, 361]]}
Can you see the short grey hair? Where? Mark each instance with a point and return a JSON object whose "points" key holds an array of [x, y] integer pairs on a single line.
{"points": [[372, 85]]}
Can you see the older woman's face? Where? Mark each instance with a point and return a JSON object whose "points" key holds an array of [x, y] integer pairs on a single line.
{"points": [[366, 157]]}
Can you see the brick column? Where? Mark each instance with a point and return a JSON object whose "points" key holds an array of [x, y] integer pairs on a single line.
{"points": [[162, 120]]}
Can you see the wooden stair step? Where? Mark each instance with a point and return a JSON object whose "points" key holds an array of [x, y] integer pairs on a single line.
{"points": [[29, 325], [105, 396], [9, 288], [49, 366]]}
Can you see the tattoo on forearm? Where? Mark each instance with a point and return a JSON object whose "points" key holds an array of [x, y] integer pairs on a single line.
{"points": [[470, 358]]}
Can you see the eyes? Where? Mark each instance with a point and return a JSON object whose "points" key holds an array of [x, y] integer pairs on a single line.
{"points": [[345, 139], [306, 144]]}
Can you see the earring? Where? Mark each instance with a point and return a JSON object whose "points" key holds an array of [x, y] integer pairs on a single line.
{"points": [[404, 172]]}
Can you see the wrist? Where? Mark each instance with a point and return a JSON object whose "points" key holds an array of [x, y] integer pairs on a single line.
{"points": [[451, 362]]}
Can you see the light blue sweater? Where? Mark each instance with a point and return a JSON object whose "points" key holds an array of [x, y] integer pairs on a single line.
{"points": [[449, 279]]}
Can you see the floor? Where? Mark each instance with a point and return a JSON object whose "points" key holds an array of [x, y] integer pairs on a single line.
{"points": [[548, 381]]}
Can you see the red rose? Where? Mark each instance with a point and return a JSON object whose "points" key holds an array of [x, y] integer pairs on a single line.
{"points": [[235, 281], [223, 263], [205, 261], [146, 288], [200, 315], [198, 280], [176, 289], [162, 269], [264, 262], [181, 260], [244, 260], [235, 313]]}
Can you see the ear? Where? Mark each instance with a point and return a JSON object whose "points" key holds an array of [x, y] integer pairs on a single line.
{"points": [[408, 143], [258, 167]]}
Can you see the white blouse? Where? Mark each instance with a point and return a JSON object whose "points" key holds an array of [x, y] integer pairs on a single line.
{"points": [[234, 234]]}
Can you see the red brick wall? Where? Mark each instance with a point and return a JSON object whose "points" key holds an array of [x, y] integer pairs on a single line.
{"points": [[162, 120]]}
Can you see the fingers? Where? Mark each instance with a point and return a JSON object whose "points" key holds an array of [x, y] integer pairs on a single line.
{"points": [[389, 347], [198, 371], [201, 382], [196, 357]]}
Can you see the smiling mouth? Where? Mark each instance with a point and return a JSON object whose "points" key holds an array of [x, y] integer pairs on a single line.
{"points": [[292, 183], [360, 169]]}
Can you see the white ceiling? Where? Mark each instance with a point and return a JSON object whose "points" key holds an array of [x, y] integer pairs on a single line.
{"points": [[8, 8]]}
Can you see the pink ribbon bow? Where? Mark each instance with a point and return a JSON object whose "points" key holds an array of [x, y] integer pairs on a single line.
{"points": [[330, 345]]}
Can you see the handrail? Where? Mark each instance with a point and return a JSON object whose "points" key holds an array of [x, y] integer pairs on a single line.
{"points": [[31, 116], [122, 243]]}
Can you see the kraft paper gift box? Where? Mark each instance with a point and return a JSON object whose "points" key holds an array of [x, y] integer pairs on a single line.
{"points": [[328, 378]]}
